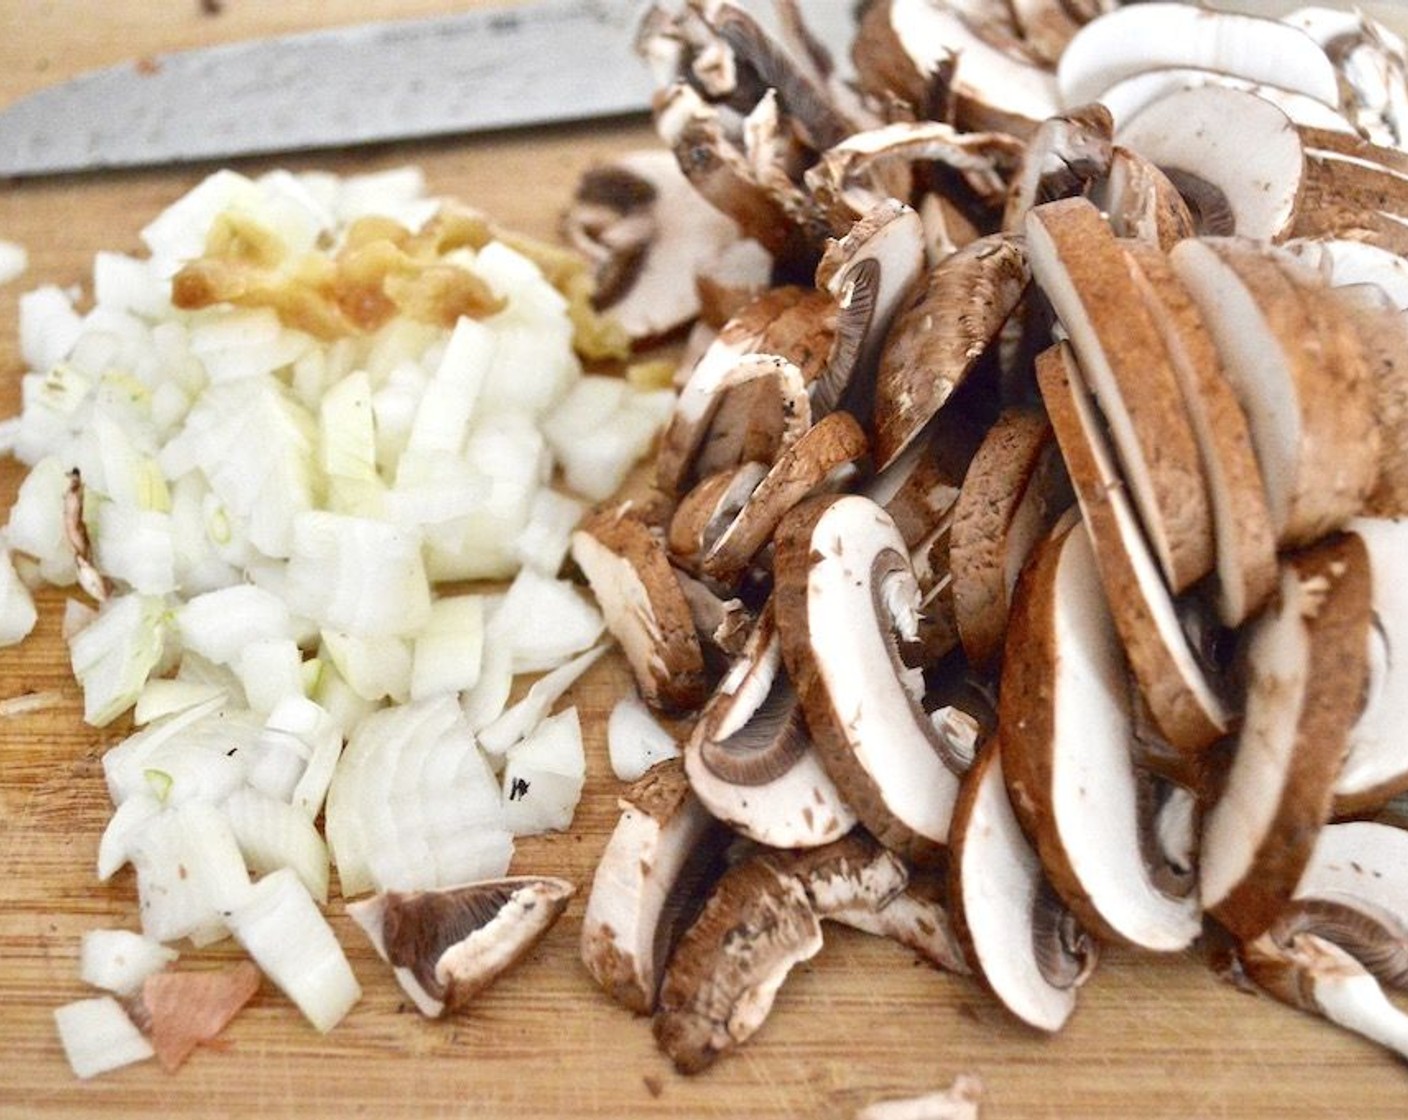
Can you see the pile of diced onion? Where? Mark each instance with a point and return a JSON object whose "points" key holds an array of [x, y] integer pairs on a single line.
{"points": [[290, 533]]}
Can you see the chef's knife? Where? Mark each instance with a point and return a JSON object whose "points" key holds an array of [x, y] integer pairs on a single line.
{"points": [[484, 68]]}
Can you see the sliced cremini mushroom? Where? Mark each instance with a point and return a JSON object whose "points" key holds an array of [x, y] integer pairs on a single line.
{"points": [[1354, 892], [1245, 537], [852, 875], [1303, 659], [708, 509], [1144, 37], [803, 468], [652, 877], [1065, 154], [1177, 688], [1237, 147], [1048, 26], [1314, 974], [1142, 202], [647, 231], [446, 946], [941, 334], [750, 758], [870, 271], [1376, 766], [1309, 415], [1079, 264], [919, 486], [1065, 726], [1016, 934], [846, 601], [1131, 95], [722, 623], [645, 609], [1014, 491], [917, 918], [1372, 64], [727, 968]]}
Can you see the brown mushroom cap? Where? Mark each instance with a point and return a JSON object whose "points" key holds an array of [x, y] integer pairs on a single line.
{"points": [[1303, 659], [845, 596], [1079, 264], [644, 606], [662, 853], [726, 970], [448, 945], [941, 335]]}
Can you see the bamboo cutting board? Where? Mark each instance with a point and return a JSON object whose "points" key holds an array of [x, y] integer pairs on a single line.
{"points": [[862, 1021]]}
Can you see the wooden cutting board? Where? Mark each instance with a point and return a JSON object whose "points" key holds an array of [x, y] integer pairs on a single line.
{"points": [[862, 1021]]}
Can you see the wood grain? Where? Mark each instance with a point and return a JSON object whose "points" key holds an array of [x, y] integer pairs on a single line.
{"points": [[1154, 1037]]}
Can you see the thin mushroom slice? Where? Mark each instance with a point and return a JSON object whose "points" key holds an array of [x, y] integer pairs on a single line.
{"points": [[1016, 935], [725, 973], [707, 510], [1015, 489], [645, 608], [1065, 155], [846, 600], [1142, 202], [446, 946], [1078, 263], [1314, 974], [1344, 263], [1372, 64], [1246, 567], [1354, 892], [1143, 37], [870, 271], [917, 918], [803, 468], [1236, 145], [1130, 96], [1176, 687], [750, 758], [941, 335], [649, 882], [648, 231], [1309, 415], [1376, 767], [1048, 26], [1066, 729], [853, 874], [1303, 659], [920, 485]]}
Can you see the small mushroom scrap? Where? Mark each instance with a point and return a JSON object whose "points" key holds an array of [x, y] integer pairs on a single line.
{"points": [[446, 946]]}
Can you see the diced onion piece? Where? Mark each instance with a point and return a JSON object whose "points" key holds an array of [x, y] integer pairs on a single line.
{"points": [[48, 327], [98, 1036], [115, 846], [374, 668], [168, 696], [447, 652], [13, 261], [218, 625], [17, 613], [280, 926], [550, 619], [636, 740], [543, 543], [118, 960], [273, 834], [601, 428], [443, 415], [357, 575], [270, 669], [525, 716], [189, 873], [112, 656], [543, 777]]}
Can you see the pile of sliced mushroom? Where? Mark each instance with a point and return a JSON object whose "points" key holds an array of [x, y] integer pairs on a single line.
{"points": [[1056, 474]]}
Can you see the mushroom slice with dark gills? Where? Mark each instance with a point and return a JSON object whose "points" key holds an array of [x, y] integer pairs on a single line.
{"points": [[647, 232], [941, 335], [725, 973], [448, 945], [662, 855], [1354, 892], [1142, 203], [1066, 155], [1306, 669], [847, 605], [1066, 729], [804, 467], [1016, 934], [751, 761], [645, 608], [870, 271], [762, 918]]}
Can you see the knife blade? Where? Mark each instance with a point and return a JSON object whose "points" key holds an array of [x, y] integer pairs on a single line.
{"points": [[485, 68]]}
